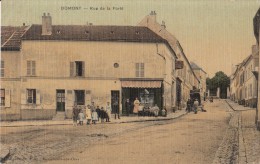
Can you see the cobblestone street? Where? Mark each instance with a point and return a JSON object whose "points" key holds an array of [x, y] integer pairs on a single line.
{"points": [[206, 137]]}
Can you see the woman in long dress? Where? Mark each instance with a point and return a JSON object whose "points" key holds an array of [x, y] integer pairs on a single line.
{"points": [[136, 106]]}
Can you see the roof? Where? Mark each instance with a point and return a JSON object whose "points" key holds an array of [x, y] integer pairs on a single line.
{"points": [[194, 66], [11, 37], [94, 33]]}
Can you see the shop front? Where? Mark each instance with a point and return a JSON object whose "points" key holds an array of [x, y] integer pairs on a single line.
{"points": [[148, 92]]}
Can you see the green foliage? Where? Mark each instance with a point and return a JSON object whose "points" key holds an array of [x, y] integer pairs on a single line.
{"points": [[220, 80]]}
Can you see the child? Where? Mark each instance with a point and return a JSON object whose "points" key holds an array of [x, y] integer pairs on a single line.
{"points": [[88, 115], [81, 117]]}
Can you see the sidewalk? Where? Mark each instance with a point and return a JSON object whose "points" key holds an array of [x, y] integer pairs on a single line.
{"points": [[238, 107], [249, 137], [123, 119]]}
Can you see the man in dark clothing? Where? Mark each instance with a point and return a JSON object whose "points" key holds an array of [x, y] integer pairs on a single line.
{"points": [[75, 113], [98, 112], [127, 107], [188, 108]]}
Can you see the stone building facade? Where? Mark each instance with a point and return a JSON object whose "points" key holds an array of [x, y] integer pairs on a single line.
{"points": [[55, 66]]}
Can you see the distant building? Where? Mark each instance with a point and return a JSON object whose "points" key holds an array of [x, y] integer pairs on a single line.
{"points": [[243, 84], [202, 75], [186, 80]]}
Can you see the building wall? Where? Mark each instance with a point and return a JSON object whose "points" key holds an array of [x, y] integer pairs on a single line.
{"points": [[52, 72], [186, 74], [11, 84]]}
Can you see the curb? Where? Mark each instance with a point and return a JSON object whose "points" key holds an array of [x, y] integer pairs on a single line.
{"points": [[158, 119]]}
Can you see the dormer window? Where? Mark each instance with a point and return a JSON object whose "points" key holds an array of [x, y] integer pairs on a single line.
{"points": [[86, 32], [112, 32], [137, 32], [58, 31]]}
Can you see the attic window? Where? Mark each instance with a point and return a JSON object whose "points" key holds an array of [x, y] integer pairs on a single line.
{"points": [[58, 31], [137, 32], [112, 32]]}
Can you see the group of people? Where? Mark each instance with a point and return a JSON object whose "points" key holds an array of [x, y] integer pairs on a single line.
{"points": [[93, 114], [194, 105]]}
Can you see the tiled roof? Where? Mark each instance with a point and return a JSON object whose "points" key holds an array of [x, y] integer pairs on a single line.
{"points": [[256, 23], [11, 37], [195, 66], [94, 33]]}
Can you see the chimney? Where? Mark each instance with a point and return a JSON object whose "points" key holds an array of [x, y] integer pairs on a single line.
{"points": [[46, 24], [152, 17], [23, 24], [163, 25]]}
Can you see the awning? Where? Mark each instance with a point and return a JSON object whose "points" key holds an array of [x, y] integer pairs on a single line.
{"points": [[141, 84]]}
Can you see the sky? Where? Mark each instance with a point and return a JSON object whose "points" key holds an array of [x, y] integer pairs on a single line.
{"points": [[215, 34]]}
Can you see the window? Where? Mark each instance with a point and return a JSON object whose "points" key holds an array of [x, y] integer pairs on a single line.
{"points": [[2, 67], [77, 68], [80, 97], [139, 69], [31, 96], [2, 97], [31, 66]]}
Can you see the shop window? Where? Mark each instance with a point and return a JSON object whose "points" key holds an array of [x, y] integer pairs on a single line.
{"points": [[80, 97], [139, 69], [77, 68], [31, 96], [2, 97], [2, 67], [31, 68]]}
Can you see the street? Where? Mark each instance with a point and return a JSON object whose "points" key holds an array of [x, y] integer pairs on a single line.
{"points": [[206, 137]]}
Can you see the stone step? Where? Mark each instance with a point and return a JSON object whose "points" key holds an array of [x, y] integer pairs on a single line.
{"points": [[59, 116]]}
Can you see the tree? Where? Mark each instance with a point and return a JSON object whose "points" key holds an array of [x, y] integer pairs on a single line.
{"points": [[220, 80]]}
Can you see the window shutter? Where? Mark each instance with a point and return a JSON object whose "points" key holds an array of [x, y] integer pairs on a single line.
{"points": [[7, 98], [83, 69], [33, 68], [137, 69], [88, 97], [38, 97], [72, 68], [23, 96], [28, 67], [142, 70], [2, 68], [69, 99]]}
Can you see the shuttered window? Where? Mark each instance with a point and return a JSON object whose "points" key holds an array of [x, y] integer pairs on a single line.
{"points": [[139, 69], [31, 96], [2, 67], [2, 97], [31, 68], [77, 69]]}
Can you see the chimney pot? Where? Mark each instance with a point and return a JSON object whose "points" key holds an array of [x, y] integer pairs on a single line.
{"points": [[44, 14], [48, 14]]}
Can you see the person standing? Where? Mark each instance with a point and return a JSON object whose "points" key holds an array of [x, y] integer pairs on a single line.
{"points": [[196, 105], [108, 111], [94, 116], [81, 117], [75, 114], [116, 109], [88, 115], [102, 114], [127, 107], [98, 112], [136, 106]]}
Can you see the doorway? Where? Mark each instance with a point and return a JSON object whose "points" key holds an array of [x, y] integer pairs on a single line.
{"points": [[115, 101], [60, 99]]}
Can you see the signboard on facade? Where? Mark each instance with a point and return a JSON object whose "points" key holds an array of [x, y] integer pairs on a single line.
{"points": [[179, 64]]}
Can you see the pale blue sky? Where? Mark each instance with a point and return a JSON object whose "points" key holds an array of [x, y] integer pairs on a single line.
{"points": [[213, 33]]}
